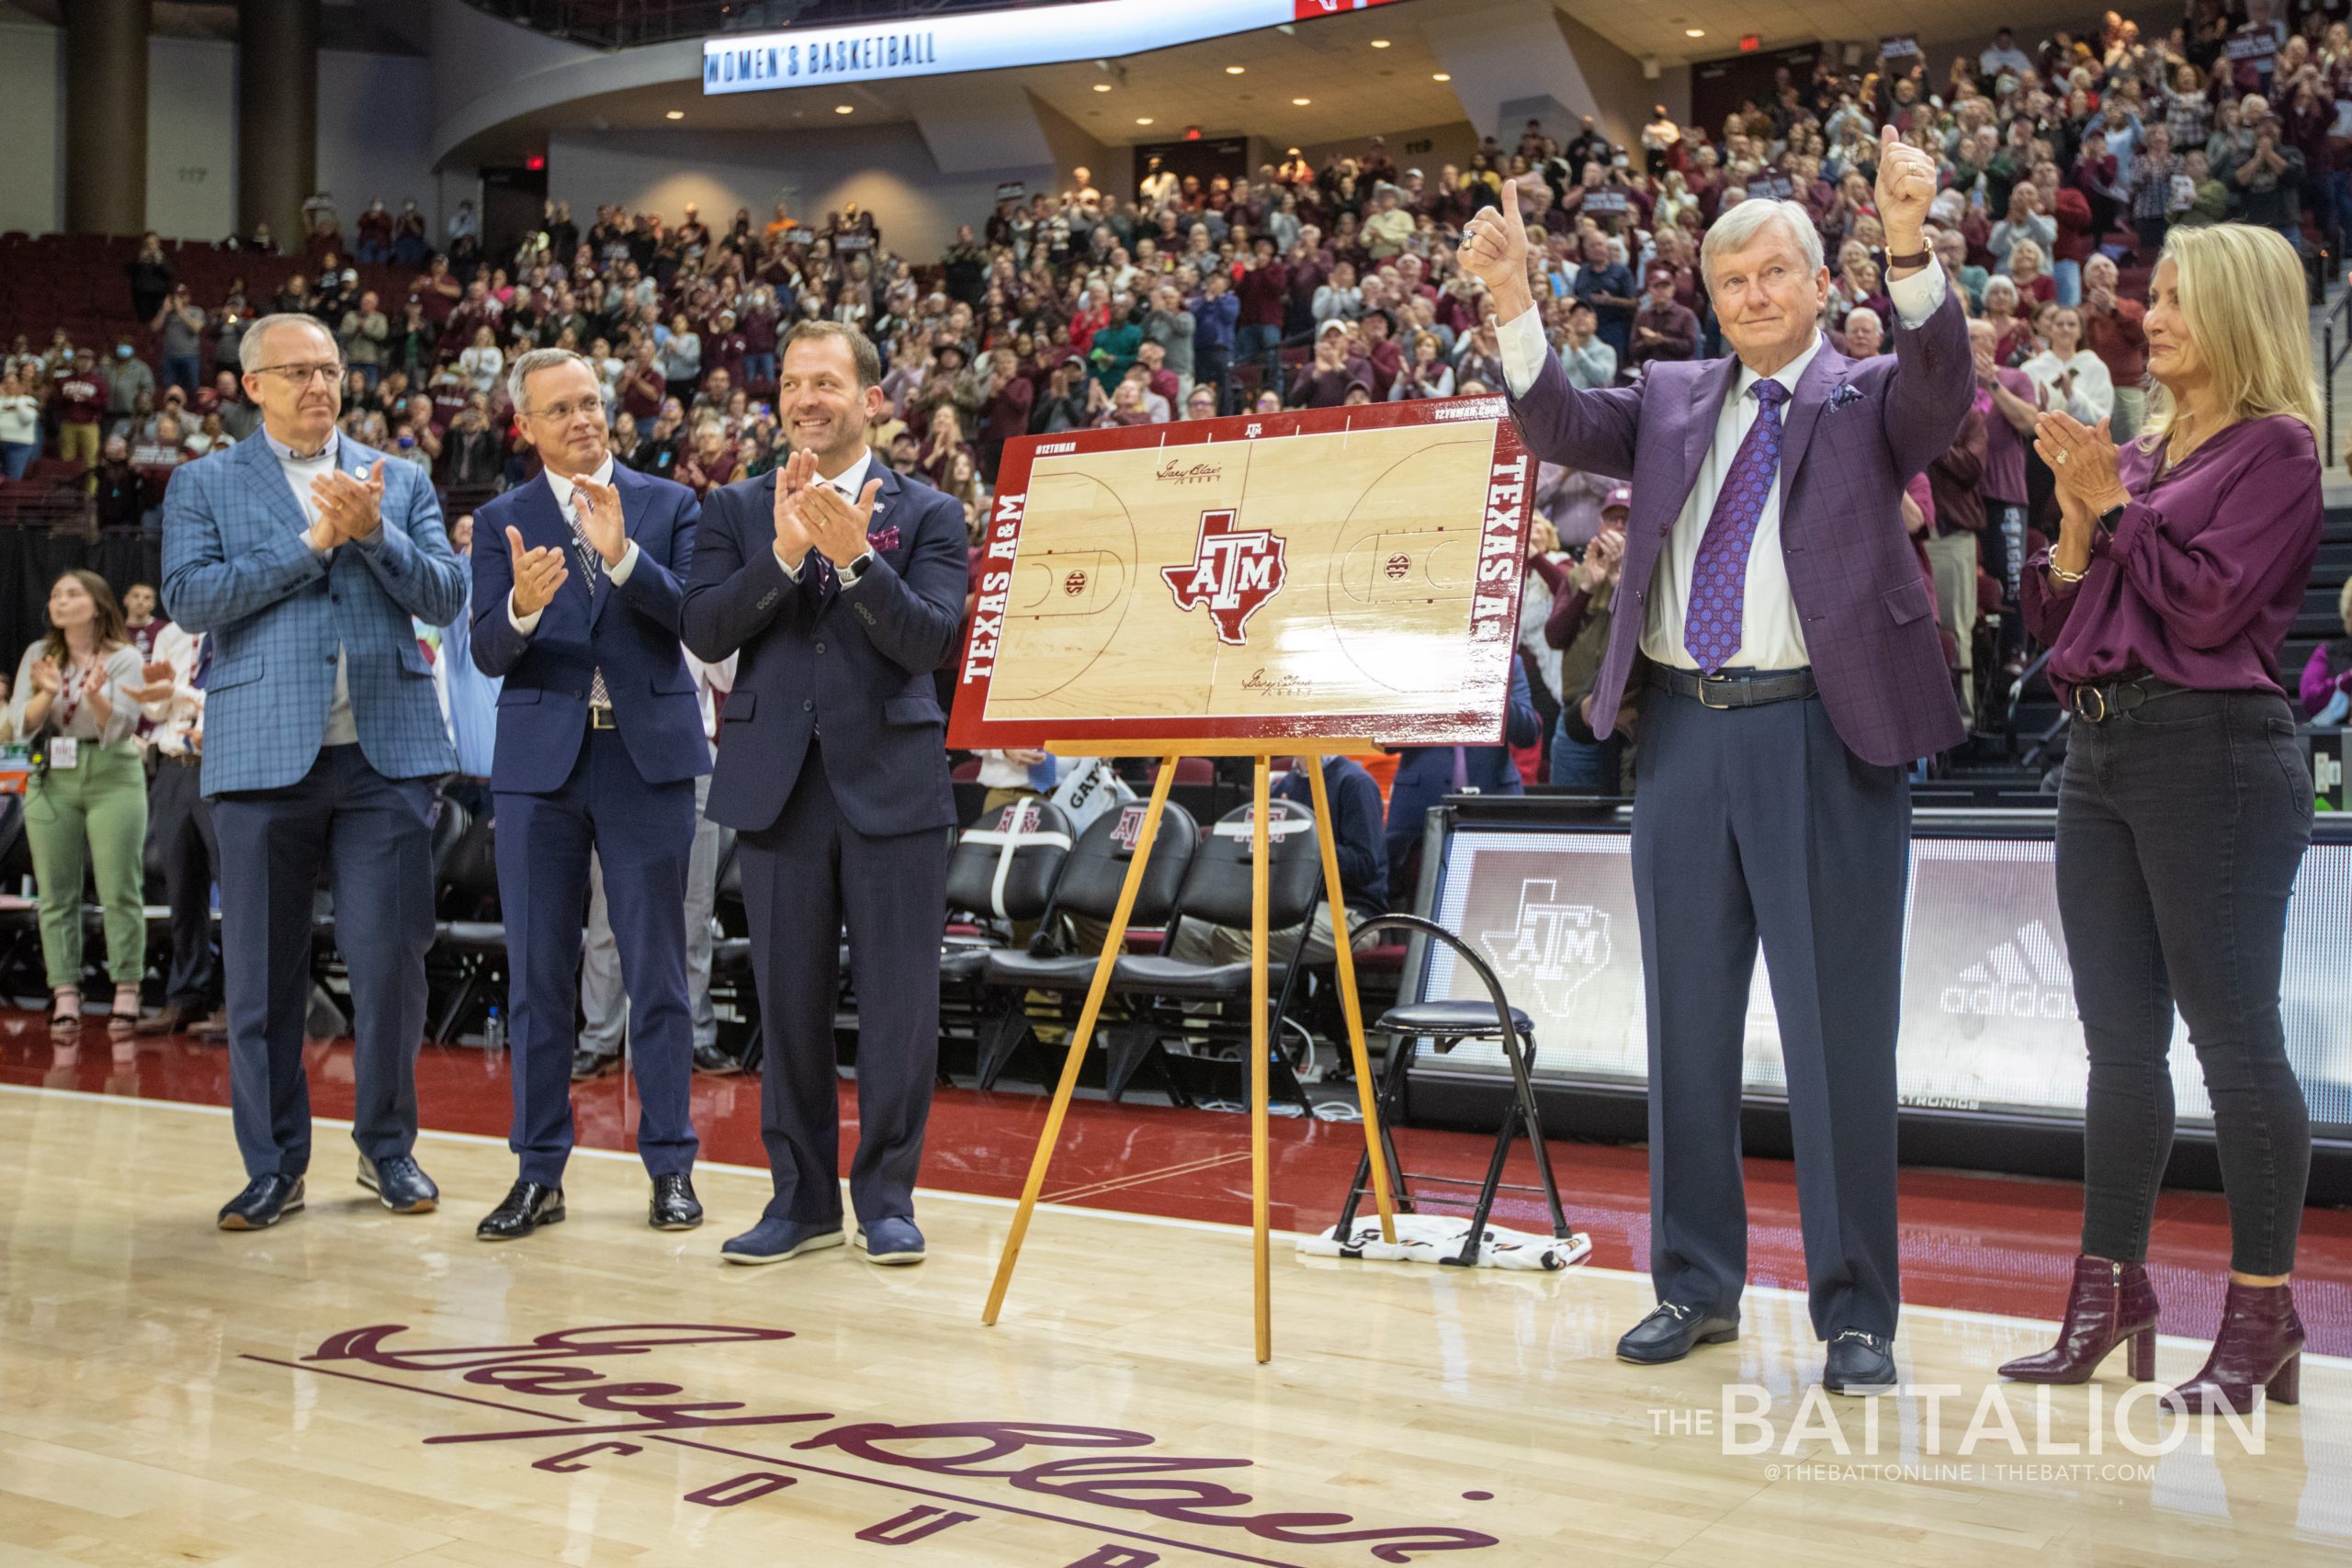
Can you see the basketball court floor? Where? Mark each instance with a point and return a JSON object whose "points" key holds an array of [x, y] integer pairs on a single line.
{"points": [[353, 1388]]}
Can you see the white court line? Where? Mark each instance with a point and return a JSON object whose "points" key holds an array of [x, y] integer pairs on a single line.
{"points": [[1169, 1222]]}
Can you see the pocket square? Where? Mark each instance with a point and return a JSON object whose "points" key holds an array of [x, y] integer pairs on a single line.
{"points": [[882, 541], [1845, 396]]}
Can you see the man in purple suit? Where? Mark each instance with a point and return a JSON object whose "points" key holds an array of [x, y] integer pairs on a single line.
{"points": [[1780, 652]]}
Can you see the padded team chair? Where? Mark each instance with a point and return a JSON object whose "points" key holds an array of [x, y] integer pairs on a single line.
{"points": [[1088, 889], [1004, 871], [1217, 892]]}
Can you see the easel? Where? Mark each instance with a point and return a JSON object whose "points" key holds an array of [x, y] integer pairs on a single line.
{"points": [[1310, 754]]}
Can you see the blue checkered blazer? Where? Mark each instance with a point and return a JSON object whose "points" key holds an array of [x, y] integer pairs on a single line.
{"points": [[236, 566]]}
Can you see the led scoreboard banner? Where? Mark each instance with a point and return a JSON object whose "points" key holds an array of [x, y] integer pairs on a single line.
{"points": [[990, 40], [1348, 571]]}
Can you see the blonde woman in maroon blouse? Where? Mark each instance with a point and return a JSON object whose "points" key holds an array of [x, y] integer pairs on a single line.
{"points": [[2185, 809]]}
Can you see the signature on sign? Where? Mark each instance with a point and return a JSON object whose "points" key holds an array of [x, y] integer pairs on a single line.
{"points": [[608, 1415]]}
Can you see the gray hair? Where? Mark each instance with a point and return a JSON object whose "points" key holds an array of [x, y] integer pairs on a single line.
{"points": [[1865, 313], [1739, 224], [254, 338], [527, 364]]}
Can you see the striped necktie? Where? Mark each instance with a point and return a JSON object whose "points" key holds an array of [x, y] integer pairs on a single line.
{"points": [[591, 567]]}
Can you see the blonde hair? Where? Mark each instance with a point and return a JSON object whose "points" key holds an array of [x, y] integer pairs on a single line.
{"points": [[2344, 606], [2241, 294]]}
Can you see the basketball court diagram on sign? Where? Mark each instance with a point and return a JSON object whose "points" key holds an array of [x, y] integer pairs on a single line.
{"points": [[1287, 572]]}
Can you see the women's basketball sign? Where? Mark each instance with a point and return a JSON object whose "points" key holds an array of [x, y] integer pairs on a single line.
{"points": [[1349, 571]]}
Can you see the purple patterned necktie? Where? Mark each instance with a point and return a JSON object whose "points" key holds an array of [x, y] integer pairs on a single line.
{"points": [[1711, 621]]}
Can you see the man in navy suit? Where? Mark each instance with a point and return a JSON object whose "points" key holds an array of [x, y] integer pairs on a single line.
{"points": [[841, 584], [599, 744], [305, 560]]}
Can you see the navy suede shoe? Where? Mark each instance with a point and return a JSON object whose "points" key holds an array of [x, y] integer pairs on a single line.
{"points": [[890, 1241], [265, 1201], [773, 1241]]}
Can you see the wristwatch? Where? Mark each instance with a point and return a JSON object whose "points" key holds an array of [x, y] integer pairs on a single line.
{"points": [[850, 574], [1916, 258]]}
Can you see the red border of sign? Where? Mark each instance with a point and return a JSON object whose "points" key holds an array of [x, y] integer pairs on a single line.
{"points": [[969, 729]]}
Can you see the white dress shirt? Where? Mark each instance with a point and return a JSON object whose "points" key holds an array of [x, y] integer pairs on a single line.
{"points": [[301, 471], [1771, 632], [615, 574]]}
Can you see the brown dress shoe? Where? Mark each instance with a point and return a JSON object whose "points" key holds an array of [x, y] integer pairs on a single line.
{"points": [[169, 1019]]}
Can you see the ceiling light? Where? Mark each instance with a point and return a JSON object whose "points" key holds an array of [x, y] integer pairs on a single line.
{"points": [[1695, 32], [844, 108], [1102, 87], [676, 114], [1142, 119], [1380, 43], [1441, 76], [1302, 103], [1235, 69]]}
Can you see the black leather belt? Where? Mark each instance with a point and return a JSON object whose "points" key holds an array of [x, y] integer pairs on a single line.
{"points": [[1735, 688], [601, 718], [2096, 701]]}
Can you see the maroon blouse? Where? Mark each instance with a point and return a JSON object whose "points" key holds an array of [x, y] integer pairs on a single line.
{"points": [[2205, 572]]}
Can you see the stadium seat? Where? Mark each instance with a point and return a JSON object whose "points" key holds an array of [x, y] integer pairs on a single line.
{"points": [[1088, 889]]}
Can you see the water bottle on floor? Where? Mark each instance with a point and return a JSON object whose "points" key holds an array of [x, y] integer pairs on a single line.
{"points": [[494, 1031]]}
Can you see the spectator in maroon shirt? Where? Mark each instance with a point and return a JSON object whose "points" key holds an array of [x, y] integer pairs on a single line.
{"points": [[1004, 411], [1381, 351], [81, 409], [643, 386], [1322, 383], [1663, 327], [724, 347], [2116, 330]]}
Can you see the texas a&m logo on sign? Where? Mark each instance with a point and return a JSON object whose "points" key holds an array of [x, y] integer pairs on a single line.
{"points": [[1233, 572]]}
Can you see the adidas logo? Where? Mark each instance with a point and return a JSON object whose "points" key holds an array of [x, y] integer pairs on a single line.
{"points": [[2025, 977]]}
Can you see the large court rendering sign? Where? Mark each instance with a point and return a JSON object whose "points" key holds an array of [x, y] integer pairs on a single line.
{"points": [[1348, 571], [992, 40]]}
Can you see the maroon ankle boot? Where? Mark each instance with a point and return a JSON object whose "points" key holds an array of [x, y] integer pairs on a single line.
{"points": [[2260, 1346], [2108, 1303]]}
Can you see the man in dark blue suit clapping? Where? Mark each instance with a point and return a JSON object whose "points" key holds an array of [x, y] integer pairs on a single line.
{"points": [[599, 741], [841, 584]]}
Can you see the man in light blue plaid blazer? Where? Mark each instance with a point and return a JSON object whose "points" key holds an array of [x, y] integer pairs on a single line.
{"points": [[304, 556]]}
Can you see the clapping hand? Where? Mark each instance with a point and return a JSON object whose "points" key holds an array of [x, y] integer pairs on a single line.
{"points": [[836, 525], [793, 538], [2082, 460], [538, 574], [600, 520], [348, 508], [47, 677]]}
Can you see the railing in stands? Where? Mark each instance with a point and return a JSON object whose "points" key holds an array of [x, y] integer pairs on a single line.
{"points": [[619, 24], [2332, 351]]}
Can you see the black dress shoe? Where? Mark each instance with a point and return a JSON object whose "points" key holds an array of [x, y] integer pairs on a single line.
{"points": [[528, 1206], [711, 1059], [400, 1184], [265, 1201], [586, 1064], [673, 1207], [1671, 1331], [1860, 1362]]}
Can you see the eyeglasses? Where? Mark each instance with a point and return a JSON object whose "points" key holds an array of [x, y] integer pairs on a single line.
{"points": [[559, 413], [300, 375]]}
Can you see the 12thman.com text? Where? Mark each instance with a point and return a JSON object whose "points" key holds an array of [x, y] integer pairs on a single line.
{"points": [[2015, 1433]]}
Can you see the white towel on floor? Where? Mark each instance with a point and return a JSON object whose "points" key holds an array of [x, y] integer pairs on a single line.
{"points": [[1433, 1238]]}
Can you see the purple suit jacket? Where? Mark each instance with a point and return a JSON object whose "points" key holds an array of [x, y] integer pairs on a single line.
{"points": [[1856, 431]]}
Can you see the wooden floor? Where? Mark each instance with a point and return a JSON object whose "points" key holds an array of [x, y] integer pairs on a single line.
{"points": [[170, 1394]]}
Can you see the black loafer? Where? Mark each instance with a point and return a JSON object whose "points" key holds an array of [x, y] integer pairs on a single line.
{"points": [[1860, 1362], [400, 1184], [265, 1201], [711, 1059], [673, 1207], [1671, 1332], [528, 1206], [586, 1064]]}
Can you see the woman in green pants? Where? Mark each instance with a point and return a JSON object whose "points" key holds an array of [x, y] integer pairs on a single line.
{"points": [[79, 688]]}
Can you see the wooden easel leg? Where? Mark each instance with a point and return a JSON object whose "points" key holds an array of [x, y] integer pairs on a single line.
{"points": [[1083, 1036], [1367, 1095], [1262, 1249]]}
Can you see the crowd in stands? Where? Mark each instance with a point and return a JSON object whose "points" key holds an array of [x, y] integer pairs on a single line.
{"points": [[1299, 284]]}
